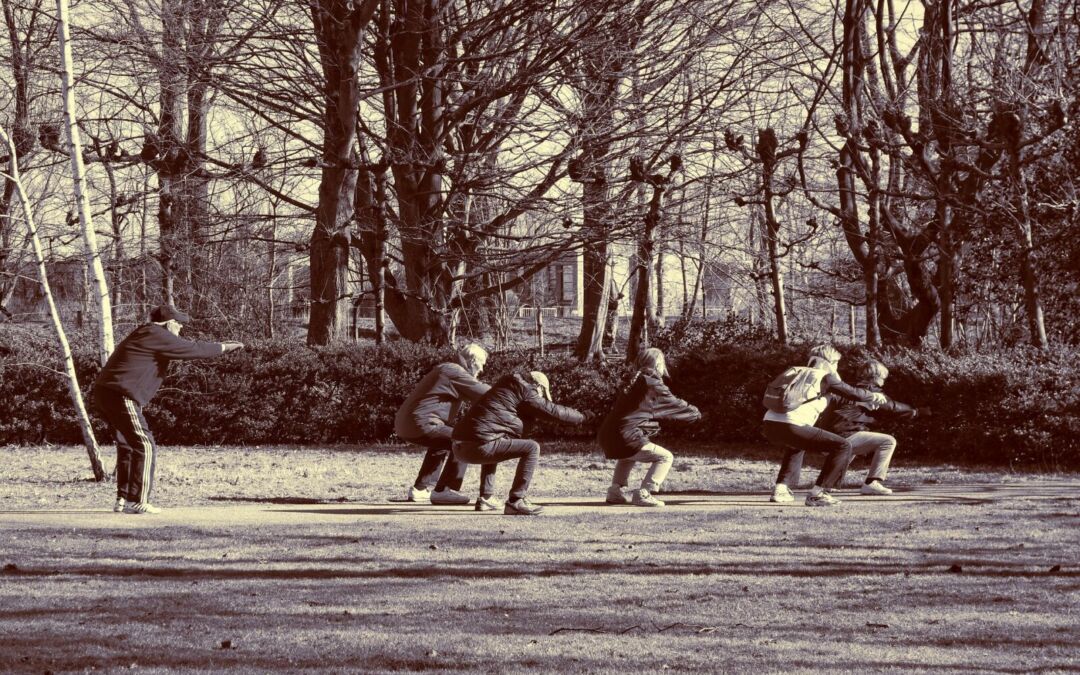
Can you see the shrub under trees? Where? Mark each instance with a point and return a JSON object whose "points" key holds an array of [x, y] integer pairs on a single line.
{"points": [[1018, 407]]}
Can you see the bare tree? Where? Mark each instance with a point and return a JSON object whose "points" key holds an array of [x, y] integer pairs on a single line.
{"points": [[101, 300], [65, 348], [23, 26]]}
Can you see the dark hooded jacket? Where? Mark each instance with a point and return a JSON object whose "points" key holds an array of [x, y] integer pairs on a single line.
{"points": [[435, 400], [845, 417], [138, 365], [501, 413], [625, 430]]}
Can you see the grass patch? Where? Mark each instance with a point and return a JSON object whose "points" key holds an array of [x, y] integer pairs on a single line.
{"points": [[241, 575]]}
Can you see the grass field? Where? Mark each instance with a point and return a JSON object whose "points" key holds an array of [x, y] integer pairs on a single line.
{"points": [[273, 559]]}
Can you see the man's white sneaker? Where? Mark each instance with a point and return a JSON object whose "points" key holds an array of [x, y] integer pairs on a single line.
{"points": [[643, 498], [821, 499], [421, 495], [874, 488], [447, 496], [488, 504], [781, 494], [118, 507], [615, 495], [140, 507]]}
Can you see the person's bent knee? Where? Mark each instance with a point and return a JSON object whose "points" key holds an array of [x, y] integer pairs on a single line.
{"points": [[532, 447], [888, 443]]}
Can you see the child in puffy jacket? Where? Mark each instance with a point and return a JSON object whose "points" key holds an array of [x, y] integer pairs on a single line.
{"points": [[625, 431], [853, 420], [795, 431]]}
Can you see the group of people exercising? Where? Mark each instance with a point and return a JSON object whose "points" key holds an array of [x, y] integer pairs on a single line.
{"points": [[491, 430]]}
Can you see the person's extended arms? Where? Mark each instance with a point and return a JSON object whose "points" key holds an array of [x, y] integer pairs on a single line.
{"points": [[541, 407], [832, 384], [667, 406], [174, 347]]}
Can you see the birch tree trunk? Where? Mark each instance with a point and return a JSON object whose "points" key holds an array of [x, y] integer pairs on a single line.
{"points": [[100, 290], [65, 348]]}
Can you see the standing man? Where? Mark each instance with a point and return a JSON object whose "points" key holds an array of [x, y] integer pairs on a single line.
{"points": [[126, 384], [425, 419]]}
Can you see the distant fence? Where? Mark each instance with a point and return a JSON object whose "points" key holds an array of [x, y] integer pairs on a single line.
{"points": [[529, 312]]}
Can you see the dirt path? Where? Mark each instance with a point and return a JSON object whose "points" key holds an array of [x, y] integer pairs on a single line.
{"points": [[271, 512], [260, 577]]}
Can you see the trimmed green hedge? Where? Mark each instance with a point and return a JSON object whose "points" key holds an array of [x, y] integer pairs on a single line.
{"points": [[1020, 407]]}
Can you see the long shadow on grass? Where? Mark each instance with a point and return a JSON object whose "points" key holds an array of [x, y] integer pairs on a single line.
{"points": [[489, 569]]}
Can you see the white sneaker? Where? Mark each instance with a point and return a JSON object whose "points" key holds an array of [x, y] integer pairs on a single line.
{"points": [[488, 504], [118, 507], [615, 495], [419, 495], [448, 496], [140, 507], [821, 499], [781, 494], [643, 498], [874, 488]]}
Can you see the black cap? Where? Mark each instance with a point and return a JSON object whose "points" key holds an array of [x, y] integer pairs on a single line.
{"points": [[163, 313]]}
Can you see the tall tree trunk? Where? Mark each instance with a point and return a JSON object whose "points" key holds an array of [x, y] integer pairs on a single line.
{"points": [[1036, 20], [638, 338], [339, 27], [65, 348], [1024, 223], [658, 315], [102, 306], [166, 150], [767, 153], [24, 52], [195, 201], [595, 282]]}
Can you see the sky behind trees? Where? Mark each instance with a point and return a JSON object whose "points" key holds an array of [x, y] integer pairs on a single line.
{"points": [[915, 161]]}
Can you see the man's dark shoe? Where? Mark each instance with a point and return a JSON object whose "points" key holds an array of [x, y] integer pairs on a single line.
{"points": [[522, 507]]}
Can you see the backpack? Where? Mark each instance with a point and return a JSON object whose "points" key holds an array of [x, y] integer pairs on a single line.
{"points": [[792, 388]]}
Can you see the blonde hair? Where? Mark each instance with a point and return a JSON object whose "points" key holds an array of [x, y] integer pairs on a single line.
{"points": [[472, 352], [652, 358], [822, 355], [872, 370]]}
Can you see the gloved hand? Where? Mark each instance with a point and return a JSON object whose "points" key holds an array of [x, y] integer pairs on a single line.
{"points": [[650, 428], [590, 417], [878, 399]]}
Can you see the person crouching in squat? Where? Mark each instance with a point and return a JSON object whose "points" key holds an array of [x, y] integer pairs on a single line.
{"points": [[624, 433], [426, 418], [795, 431], [853, 420], [490, 432]]}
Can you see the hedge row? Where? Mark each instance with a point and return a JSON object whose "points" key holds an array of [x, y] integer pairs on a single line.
{"points": [[1018, 408]]}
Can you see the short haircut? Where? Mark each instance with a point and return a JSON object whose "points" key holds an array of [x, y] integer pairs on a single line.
{"points": [[872, 370], [653, 359], [472, 352], [826, 352]]}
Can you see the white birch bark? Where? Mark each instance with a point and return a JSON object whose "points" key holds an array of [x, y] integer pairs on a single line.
{"points": [[99, 285], [61, 337]]}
